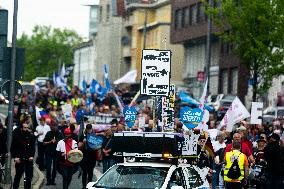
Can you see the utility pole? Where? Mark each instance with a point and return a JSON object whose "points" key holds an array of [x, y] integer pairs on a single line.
{"points": [[208, 49], [8, 177]]}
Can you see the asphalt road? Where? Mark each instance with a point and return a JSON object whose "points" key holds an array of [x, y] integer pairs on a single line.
{"points": [[76, 182]]}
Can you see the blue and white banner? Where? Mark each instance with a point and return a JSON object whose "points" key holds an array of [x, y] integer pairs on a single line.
{"points": [[129, 115], [191, 117]]}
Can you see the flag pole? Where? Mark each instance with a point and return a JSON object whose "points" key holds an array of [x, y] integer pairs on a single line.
{"points": [[134, 99]]}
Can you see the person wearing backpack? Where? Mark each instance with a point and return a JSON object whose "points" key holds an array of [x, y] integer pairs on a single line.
{"points": [[236, 167]]}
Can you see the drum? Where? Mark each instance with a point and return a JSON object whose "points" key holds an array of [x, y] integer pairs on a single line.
{"points": [[75, 156]]}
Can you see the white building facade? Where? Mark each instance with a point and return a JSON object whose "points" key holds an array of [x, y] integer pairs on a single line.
{"points": [[84, 63]]}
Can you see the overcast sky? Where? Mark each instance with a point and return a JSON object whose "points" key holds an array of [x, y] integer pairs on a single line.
{"points": [[71, 14]]}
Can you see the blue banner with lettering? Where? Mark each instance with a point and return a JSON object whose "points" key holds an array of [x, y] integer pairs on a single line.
{"points": [[129, 115], [95, 142], [191, 117]]}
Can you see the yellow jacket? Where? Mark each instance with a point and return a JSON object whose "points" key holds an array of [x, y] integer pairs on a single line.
{"points": [[242, 162]]}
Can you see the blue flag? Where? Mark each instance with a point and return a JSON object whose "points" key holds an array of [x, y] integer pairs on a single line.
{"points": [[84, 86], [108, 86], [98, 89]]}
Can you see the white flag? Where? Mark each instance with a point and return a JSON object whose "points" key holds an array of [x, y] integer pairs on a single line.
{"points": [[236, 113], [129, 77], [202, 99]]}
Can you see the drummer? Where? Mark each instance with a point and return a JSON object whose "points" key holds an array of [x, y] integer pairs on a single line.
{"points": [[65, 167]]}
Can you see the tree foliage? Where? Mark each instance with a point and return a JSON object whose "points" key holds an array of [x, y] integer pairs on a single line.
{"points": [[46, 48], [256, 30]]}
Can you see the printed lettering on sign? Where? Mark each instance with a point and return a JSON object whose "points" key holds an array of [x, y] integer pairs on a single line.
{"points": [[168, 111], [156, 71]]}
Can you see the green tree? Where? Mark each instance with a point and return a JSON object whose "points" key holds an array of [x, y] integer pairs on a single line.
{"points": [[256, 30], [46, 48]]}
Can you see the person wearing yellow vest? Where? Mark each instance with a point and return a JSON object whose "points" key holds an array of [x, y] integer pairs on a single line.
{"points": [[75, 101], [232, 177]]}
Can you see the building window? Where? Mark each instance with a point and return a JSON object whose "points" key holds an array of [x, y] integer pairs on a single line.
{"points": [[101, 13], [201, 16], [186, 16], [224, 81], [94, 14], [234, 81], [107, 13], [193, 14], [179, 18]]}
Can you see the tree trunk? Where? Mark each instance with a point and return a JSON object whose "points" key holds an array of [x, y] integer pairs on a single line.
{"points": [[255, 73]]}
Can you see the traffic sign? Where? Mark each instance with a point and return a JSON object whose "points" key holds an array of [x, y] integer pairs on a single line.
{"points": [[5, 89]]}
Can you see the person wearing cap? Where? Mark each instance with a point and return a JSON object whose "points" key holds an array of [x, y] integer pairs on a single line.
{"points": [[50, 142], [40, 133], [272, 155], [65, 167], [89, 156], [23, 151]]}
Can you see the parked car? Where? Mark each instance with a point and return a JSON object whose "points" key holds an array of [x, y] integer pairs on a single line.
{"points": [[152, 175], [271, 113]]}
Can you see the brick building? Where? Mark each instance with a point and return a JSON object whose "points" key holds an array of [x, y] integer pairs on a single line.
{"points": [[189, 27]]}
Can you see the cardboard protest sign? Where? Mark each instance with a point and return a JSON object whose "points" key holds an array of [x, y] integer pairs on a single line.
{"points": [[156, 72], [256, 112], [67, 110], [237, 112], [168, 112], [129, 115], [190, 145], [191, 117], [141, 121]]}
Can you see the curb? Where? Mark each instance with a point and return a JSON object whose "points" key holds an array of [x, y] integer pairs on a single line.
{"points": [[40, 180]]}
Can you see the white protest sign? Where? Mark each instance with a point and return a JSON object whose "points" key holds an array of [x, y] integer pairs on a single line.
{"points": [[141, 121], [190, 144], [168, 111], [256, 112], [156, 69], [67, 110], [237, 112]]}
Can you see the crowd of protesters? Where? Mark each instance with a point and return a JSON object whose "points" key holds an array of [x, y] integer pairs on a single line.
{"points": [[259, 147]]}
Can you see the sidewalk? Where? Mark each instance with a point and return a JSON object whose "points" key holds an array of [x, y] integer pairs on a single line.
{"points": [[38, 178]]}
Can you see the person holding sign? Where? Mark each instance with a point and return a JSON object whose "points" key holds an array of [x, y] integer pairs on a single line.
{"points": [[89, 143]]}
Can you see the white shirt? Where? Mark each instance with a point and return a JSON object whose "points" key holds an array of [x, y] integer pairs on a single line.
{"points": [[217, 145], [41, 129], [61, 146]]}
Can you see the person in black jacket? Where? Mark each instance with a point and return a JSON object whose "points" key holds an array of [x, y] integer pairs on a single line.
{"points": [[272, 155], [23, 150], [3, 144], [89, 158], [50, 141]]}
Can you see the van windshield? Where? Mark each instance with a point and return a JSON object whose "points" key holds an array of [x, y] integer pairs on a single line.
{"points": [[121, 176]]}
